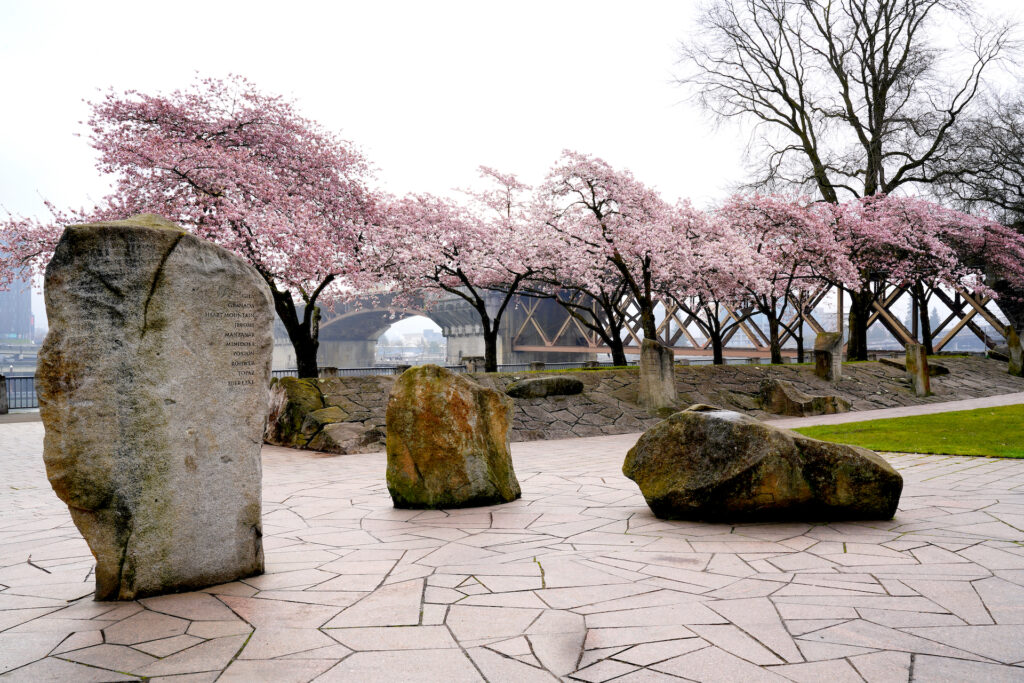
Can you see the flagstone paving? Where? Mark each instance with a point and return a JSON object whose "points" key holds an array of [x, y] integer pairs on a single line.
{"points": [[577, 580]]}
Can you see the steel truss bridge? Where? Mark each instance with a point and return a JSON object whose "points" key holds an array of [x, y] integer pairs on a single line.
{"points": [[540, 329]]}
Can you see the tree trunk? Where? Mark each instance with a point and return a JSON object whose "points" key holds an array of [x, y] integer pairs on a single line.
{"points": [[647, 321], [773, 339], [491, 348], [857, 343], [800, 344], [926, 323], [618, 350], [717, 348], [304, 334]]}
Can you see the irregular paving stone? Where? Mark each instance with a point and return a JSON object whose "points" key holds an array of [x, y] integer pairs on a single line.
{"points": [[711, 464], [780, 397], [448, 442], [632, 577], [540, 387], [154, 404]]}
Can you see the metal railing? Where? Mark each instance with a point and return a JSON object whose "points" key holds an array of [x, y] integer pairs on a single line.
{"points": [[21, 392]]}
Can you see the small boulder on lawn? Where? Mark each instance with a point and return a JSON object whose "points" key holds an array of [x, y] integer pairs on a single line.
{"points": [[540, 387], [780, 397], [710, 464], [448, 442]]}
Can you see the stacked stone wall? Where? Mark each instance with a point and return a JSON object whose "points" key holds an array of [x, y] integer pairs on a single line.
{"points": [[608, 403]]}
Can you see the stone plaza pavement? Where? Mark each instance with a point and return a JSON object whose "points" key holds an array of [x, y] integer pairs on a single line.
{"points": [[577, 580]]}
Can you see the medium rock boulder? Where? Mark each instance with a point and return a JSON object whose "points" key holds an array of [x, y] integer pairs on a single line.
{"points": [[343, 438], [539, 387], [292, 400], [780, 397], [718, 465], [448, 442]]}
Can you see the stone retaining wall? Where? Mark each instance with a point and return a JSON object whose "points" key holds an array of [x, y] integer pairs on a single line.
{"points": [[608, 402]]}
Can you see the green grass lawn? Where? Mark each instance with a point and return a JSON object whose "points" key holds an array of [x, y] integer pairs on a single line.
{"points": [[996, 432]]}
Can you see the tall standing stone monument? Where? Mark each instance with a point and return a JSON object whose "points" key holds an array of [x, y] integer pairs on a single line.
{"points": [[153, 386], [828, 356], [918, 373]]}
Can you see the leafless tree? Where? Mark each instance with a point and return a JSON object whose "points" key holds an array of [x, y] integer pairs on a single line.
{"points": [[849, 97], [988, 172]]}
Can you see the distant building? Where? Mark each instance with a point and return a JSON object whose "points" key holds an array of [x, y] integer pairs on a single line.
{"points": [[16, 312]]}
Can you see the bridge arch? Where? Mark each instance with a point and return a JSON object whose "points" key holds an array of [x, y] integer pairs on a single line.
{"points": [[349, 333]]}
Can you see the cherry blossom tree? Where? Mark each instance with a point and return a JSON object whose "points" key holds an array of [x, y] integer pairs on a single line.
{"points": [[244, 170], [480, 252], [995, 249], [598, 302], [605, 218], [794, 249], [901, 241], [710, 290]]}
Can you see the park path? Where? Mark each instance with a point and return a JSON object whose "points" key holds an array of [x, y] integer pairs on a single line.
{"points": [[902, 411]]}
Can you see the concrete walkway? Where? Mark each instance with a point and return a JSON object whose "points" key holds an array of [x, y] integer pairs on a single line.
{"points": [[903, 411], [575, 581]]}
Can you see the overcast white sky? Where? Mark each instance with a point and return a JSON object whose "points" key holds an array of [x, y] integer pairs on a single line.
{"points": [[429, 90]]}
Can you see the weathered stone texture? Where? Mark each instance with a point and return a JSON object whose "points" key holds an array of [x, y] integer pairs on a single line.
{"points": [[718, 465], [292, 400], [917, 370], [448, 442], [1015, 353], [540, 387], [152, 388], [608, 402], [657, 389], [828, 356], [780, 397]]}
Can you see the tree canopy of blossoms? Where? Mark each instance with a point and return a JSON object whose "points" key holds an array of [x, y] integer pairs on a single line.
{"points": [[244, 170], [903, 241], [604, 219], [794, 251], [480, 252], [710, 293]]}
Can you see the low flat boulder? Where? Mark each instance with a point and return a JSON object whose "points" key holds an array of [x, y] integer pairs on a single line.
{"points": [[934, 369], [448, 442], [318, 419], [539, 387], [717, 465], [342, 438], [780, 397]]}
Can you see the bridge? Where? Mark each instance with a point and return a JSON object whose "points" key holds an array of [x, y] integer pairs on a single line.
{"points": [[540, 329]]}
